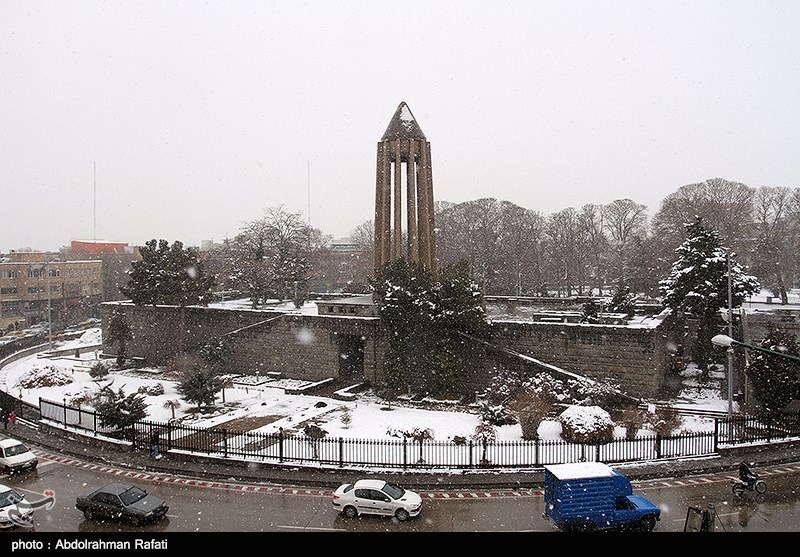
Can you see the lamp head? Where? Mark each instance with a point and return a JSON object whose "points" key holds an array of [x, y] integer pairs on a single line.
{"points": [[722, 340]]}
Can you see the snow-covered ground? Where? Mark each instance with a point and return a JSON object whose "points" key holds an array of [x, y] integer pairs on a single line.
{"points": [[268, 407]]}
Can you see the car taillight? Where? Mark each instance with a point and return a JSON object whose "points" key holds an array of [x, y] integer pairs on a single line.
{"points": [[335, 497]]}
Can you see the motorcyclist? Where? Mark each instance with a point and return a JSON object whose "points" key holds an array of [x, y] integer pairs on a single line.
{"points": [[747, 475]]}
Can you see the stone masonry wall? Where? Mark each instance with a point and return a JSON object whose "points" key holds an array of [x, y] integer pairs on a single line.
{"points": [[300, 347], [307, 347], [636, 358]]}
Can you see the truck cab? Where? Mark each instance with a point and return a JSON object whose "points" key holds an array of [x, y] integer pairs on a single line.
{"points": [[593, 496]]}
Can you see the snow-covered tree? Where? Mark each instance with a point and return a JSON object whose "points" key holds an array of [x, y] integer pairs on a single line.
{"points": [[271, 257], [698, 284], [425, 319], [775, 379], [166, 274], [199, 384], [116, 409], [119, 332]]}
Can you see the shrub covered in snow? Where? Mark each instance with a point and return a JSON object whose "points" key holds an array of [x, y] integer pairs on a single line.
{"points": [[47, 375], [586, 424]]}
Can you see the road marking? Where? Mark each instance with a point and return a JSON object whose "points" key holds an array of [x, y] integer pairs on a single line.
{"points": [[452, 494]]}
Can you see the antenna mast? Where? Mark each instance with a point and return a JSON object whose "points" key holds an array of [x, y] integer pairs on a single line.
{"points": [[94, 217]]}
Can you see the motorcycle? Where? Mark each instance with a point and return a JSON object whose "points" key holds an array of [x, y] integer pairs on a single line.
{"points": [[740, 486]]}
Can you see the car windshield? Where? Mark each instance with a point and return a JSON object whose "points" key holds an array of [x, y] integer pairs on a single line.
{"points": [[14, 450], [394, 491], [132, 495], [8, 498]]}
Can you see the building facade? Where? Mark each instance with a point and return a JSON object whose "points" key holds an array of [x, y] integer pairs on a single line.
{"points": [[33, 282]]}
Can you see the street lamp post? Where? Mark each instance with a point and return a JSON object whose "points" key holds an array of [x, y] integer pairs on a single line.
{"points": [[49, 306], [728, 342], [730, 335]]}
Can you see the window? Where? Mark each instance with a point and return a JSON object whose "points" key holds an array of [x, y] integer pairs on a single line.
{"points": [[35, 273], [35, 289], [8, 274], [8, 290]]}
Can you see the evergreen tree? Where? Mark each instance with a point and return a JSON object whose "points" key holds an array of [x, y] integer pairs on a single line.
{"points": [[623, 300], [775, 379], [168, 275], [425, 321], [199, 384], [120, 332], [698, 285], [115, 409]]}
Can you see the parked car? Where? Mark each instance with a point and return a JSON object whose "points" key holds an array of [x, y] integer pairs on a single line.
{"points": [[15, 510], [15, 457], [379, 497], [122, 501]]}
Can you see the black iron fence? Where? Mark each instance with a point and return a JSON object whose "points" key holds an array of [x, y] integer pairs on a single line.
{"points": [[406, 453]]}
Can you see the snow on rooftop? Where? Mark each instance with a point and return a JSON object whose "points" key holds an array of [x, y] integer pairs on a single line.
{"points": [[575, 470]]}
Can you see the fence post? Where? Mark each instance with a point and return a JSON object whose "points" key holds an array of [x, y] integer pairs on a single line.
{"points": [[94, 422], [405, 453], [65, 412], [658, 445], [280, 444], [169, 436], [716, 435], [471, 448], [341, 452], [225, 443], [536, 441]]}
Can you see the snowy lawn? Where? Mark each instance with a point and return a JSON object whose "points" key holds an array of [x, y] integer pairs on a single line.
{"points": [[267, 408]]}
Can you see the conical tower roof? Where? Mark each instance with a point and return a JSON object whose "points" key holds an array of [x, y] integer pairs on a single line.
{"points": [[403, 125]]}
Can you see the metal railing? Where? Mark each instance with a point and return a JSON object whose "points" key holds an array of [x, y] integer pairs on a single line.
{"points": [[406, 453]]}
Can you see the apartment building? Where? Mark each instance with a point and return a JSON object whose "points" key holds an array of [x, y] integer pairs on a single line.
{"points": [[32, 282]]}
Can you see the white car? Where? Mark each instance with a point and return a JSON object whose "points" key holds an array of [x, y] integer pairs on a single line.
{"points": [[376, 497], [16, 457], [15, 510]]}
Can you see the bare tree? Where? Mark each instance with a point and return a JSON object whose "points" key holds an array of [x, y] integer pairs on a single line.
{"points": [[624, 220], [723, 205], [271, 256], [771, 214]]}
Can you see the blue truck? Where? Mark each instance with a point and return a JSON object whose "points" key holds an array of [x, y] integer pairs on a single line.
{"points": [[588, 496]]}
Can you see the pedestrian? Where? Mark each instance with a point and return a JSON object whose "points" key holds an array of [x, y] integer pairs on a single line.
{"points": [[12, 417], [155, 449], [6, 417]]}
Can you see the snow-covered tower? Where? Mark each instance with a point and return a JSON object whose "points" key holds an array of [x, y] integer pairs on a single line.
{"points": [[404, 163]]}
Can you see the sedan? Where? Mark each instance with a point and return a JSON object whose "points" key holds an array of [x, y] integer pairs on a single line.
{"points": [[15, 510], [15, 457], [376, 497], [120, 501]]}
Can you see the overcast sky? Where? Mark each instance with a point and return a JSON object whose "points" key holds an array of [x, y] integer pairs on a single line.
{"points": [[199, 115]]}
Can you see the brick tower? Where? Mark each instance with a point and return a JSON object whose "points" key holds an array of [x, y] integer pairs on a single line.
{"points": [[404, 163]]}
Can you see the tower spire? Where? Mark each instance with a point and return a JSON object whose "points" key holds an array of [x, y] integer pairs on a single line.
{"points": [[404, 163]]}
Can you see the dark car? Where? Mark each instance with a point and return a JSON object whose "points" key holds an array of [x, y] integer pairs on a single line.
{"points": [[120, 501]]}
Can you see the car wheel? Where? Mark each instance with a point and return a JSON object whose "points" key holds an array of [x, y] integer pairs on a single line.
{"points": [[401, 514], [648, 523], [88, 514], [136, 520], [350, 512]]}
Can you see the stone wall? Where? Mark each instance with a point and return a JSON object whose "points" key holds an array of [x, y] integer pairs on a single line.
{"points": [[636, 358], [310, 347], [261, 341]]}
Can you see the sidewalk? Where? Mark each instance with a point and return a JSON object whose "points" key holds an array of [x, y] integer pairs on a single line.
{"points": [[86, 448]]}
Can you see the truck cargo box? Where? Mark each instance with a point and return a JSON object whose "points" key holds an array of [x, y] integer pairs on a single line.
{"points": [[593, 496]]}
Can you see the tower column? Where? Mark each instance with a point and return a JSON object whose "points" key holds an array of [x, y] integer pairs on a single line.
{"points": [[404, 142]]}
